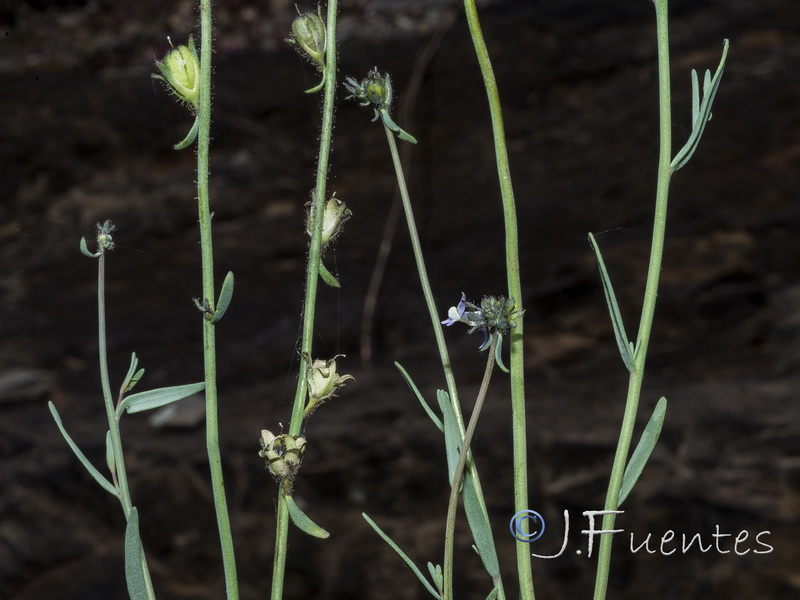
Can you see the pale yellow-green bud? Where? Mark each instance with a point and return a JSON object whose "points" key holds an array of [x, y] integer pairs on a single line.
{"points": [[180, 69], [334, 217], [323, 382], [308, 36]]}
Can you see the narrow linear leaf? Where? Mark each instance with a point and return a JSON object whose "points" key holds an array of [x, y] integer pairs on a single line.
{"points": [[406, 137], [498, 354], [428, 410], [157, 398], [476, 517], [695, 97], [126, 383], [452, 434], [317, 87], [303, 522], [710, 87], [110, 462], [225, 295], [492, 595], [643, 450], [134, 380], [409, 563], [479, 525], [436, 575], [134, 569], [403, 135], [98, 477], [85, 250], [190, 137], [328, 277], [613, 309]]}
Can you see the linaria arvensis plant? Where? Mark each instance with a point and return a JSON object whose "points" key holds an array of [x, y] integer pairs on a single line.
{"points": [[187, 75]]}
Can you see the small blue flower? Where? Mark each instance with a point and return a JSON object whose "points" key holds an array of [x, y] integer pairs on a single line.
{"points": [[456, 313]]}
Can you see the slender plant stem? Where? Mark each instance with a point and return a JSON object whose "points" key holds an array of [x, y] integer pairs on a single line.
{"points": [[406, 113], [209, 341], [518, 425], [120, 474], [649, 304], [312, 279], [436, 323], [427, 292], [458, 474], [113, 425]]}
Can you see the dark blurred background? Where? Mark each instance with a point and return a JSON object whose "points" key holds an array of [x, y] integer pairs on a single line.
{"points": [[87, 136]]}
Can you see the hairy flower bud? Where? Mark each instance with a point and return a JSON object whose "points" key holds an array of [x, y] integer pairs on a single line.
{"points": [[334, 217], [180, 69], [308, 37], [104, 239]]}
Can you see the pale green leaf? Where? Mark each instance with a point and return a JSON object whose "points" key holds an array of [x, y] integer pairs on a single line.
{"points": [[328, 277], [190, 137], [110, 462], [86, 252], [409, 563], [436, 575], [134, 567], [613, 308], [703, 114], [498, 353], [643, 450], [479, 525], [302, 521], [98, 477], [428, 410], [157, 398], [134, 380], [695, 97], [133, 376], [452, 434], [225, 296]]}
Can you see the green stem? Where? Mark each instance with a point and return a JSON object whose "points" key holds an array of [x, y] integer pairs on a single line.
{"points": [[120, 474], [312, 279], [649, 304], [458, 474], [209, 297], [518, 425], [113, 424], [434, 316], [427, 292]]}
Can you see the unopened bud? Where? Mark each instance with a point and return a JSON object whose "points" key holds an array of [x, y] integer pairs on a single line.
{"points": [[180, 69], [334, 217], [375, 89], [308, 36]]}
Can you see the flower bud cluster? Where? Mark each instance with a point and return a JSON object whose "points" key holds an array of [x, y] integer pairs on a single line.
{"points": [[375, 89], [284, 453], [104, 239]]}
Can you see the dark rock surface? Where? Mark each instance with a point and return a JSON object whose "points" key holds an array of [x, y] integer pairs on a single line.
{"points": [[87, 136]]}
